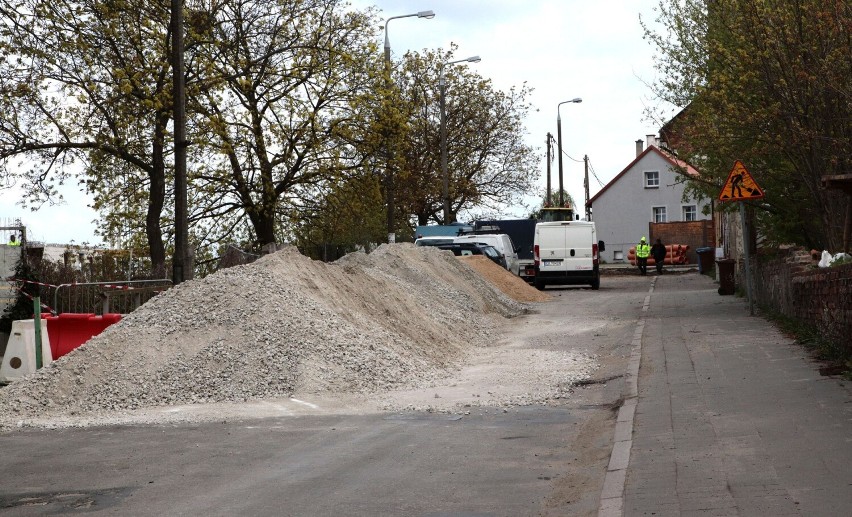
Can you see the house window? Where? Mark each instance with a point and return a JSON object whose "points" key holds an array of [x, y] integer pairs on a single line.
{"points": [[690, 213], [652, 179], [660, 214]]}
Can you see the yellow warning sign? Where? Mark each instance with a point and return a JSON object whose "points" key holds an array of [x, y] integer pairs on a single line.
{"points": [[740, 185]]}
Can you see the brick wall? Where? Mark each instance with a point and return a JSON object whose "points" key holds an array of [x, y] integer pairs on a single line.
{"points": [[821, 297], [695, 234]]}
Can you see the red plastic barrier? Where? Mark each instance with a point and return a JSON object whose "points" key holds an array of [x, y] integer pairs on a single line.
{"points": [[70, 330]]}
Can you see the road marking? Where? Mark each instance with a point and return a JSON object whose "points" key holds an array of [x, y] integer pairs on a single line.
{"points": [[302, 402]]}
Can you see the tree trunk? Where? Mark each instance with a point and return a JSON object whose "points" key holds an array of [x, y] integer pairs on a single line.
{"points": [[156, 200]]}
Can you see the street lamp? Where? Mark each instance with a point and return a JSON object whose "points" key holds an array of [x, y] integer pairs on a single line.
{"points": [[559, 144], [443, 88], [388, 172]]}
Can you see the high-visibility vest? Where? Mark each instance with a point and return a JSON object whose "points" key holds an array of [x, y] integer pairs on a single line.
{"points": [[643, 250], [15, 243]]}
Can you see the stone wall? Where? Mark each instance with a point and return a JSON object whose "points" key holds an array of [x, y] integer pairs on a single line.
{"points": [[789, 281]]}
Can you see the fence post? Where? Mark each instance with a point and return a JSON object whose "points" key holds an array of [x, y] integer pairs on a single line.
{"points": [[37, 329]]}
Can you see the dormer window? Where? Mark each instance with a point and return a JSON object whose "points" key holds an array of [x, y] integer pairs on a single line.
{"points": [[652, 179]]}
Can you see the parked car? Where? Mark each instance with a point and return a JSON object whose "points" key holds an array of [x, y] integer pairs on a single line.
{"points": [[433, 241], [503, 244], [467, 249], [494, 254]]}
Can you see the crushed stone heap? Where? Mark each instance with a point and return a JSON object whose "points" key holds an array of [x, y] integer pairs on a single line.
{"points": [[285, 324]]}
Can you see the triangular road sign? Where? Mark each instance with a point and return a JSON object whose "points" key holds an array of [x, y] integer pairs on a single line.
{"points": [[740, 185]]}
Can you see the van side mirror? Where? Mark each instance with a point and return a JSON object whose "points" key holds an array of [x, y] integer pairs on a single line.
{"points": [[601, 246]]}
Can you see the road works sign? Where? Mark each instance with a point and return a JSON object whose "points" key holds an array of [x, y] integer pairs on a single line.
{"points": [[740, 185]]}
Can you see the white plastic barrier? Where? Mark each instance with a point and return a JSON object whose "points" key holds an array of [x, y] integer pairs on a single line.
{"points": [[20, 357]]}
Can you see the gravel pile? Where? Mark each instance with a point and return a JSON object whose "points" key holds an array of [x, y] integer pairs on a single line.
{"points": [[282, 325]]}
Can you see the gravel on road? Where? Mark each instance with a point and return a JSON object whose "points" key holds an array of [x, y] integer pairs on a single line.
{"points": [[400, 320]]}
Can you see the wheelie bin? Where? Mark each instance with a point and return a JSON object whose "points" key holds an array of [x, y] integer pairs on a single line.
{"points": [[725, 269], [705, 260]]}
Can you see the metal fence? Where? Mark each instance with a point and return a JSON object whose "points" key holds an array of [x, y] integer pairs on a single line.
{"points": [[106, 297]]}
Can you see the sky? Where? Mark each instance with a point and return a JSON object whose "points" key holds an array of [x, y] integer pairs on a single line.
{"points": [[563, 49]]}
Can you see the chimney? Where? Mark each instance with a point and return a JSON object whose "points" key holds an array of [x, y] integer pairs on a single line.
{"points": [[652, 140], [639, 146]]}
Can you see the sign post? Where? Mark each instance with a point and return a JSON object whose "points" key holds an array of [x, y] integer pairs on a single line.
{"points": [[739, 187]]}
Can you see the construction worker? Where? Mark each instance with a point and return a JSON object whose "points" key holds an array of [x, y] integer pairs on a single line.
{"points": [[13, 241], [642, 252]]}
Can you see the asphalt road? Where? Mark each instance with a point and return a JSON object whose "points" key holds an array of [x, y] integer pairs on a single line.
{"points": [[528, 461]]}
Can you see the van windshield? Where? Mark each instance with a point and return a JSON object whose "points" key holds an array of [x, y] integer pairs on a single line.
{"points": [[553, 215]]}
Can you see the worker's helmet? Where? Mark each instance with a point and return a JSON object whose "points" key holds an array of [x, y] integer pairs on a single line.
{"points": [[642, 239]]}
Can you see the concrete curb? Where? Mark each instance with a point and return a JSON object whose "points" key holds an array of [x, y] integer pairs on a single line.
{"points": [[612, 494]]}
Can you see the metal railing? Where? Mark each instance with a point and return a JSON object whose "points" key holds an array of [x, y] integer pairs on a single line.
{"points": [[106, 297]]}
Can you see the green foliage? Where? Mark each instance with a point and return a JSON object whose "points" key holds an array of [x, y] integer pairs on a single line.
{"points": [[286, 113], [766, 83], [292, 115], [349, 218], [88, 97], [22, 307]]}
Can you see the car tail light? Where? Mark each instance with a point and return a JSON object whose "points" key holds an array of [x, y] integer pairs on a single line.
{"points": [[536, 257], [595, 254]]}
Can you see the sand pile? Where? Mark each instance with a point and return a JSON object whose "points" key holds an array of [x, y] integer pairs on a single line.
{"points": [[511, 284], [282, 325]]}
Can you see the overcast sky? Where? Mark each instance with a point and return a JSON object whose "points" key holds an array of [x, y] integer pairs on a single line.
{"points": [[561, 48]]}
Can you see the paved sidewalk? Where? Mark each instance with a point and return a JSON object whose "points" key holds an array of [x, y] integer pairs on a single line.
{"points": [[731, 417]]}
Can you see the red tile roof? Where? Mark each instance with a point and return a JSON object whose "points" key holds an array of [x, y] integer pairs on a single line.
{"points": [[675, 163]]}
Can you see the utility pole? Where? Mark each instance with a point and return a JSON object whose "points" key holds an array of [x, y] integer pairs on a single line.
{"points": [[181, 262], [586, 183], [547, 145]]}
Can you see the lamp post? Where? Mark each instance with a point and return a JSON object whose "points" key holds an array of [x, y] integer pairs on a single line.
{"points": [[559, 145], [442, 86], [388, 169]]}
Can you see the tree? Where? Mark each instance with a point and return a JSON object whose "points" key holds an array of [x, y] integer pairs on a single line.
{"points": [[770, 84], [282, 123], [85, 91], [348, 218], [489, 164], [21, 308]]}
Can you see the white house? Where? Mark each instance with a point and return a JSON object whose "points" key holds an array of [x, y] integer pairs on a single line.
{"points": [[649, 190]]}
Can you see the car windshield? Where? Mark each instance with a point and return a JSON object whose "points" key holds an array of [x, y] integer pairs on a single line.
{"points": [[433, 241], [461, 250]]}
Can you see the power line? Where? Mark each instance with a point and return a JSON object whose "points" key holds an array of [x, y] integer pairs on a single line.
{"points": [[571, 158], [592, 169]]}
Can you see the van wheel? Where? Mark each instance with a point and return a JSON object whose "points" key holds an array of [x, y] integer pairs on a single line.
{"points": [[539, 284], [596, 284]]}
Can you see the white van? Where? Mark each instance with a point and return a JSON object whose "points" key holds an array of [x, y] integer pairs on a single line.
{"points": [[565, 253], [502, 242]]}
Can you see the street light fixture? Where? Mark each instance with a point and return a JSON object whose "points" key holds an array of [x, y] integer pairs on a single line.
{"points": [[388, 172], [559, 144], [442, 86]]}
